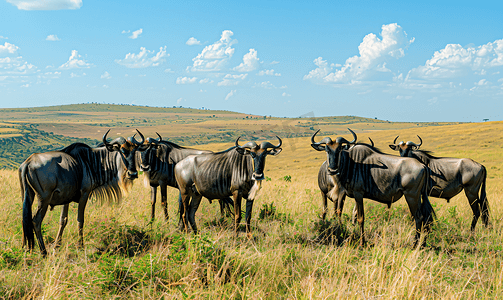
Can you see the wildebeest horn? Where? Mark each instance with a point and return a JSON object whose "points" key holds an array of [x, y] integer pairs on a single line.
{"points": [[160, 138], [421, 142], [414, 145], [266, 145], [394, 142], [371, 141], [326, 140], [247, 145], [354, 137], [135, 142], [118, 141]]}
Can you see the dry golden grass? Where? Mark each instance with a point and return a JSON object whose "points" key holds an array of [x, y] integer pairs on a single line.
{"points": [[126, 257]]}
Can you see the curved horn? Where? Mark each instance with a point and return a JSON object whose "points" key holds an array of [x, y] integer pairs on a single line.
{"points": [[247, 145], [105, 137], [266, 145], [312, 138], [371, 141], [421, 142], [394, 142], [160, 137], [135, 141], [354, 137], [280, 142], [118, 141]]}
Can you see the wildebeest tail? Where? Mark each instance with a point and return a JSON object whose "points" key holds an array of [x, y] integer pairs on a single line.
{"points": [[483, 203], [27, 194], [427, 211]]}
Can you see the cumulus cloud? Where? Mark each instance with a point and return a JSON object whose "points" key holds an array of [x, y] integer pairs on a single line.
{"points": [[285, 94], [186, 80], [373, 55], [52, 38], [46, 4], [250, 62], [457, 61], [215, 56], [268, 72], [106, 75], [205, 80], [136, 34], [12, 64], [230, 94], [3, 37], [75, 62], [265, 85], [192, 41], [144, 59], [230, 80]]}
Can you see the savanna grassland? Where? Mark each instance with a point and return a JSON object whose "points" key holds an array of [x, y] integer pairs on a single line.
{"points": [[292, 255]]}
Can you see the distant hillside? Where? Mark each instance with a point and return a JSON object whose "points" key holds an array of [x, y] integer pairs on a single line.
{"points": [[37, 129]]}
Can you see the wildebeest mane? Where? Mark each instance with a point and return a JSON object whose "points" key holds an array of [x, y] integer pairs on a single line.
{"points": [[100, 167]]}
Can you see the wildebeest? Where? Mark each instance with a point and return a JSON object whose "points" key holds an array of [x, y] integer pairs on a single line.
{"points": [[365, 172], [237, 171], [73, 174], [331, 188], [449, 176], [158, 164]]}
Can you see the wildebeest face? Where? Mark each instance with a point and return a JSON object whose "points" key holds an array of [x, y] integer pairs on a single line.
{"points": [[405, 149], [333, 149], [258, 153], [127, 151]]}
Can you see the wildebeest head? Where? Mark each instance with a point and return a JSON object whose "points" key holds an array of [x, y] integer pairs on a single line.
{"points": [[127, 150], [258, 153], [405, 149], [147, 157], [333, 149]]}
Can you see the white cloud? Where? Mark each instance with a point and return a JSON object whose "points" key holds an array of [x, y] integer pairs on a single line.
{"points": [[106, 75], [205, 80], [373, 54], [136, 34], [265, 85], [179, 100], [285, 94], [46, 4], [274, 62], [457, 61], [74, 62], [250, 62], [230, 80], [144, 59], [3, 38], [230, 94], [186, 80], [192, 41], [12, 64], [482, 82], [26, 85], [268, 72], [126, 31], [105, 86], [215, 56], [169, 71], [52, 38]]}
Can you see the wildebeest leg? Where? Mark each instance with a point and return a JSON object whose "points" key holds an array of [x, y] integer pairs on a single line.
{"points": [[184, 208], [43, 204], [63, 220], [413, 203], [324, 204], [249, 207], [80, 217], [194, 205], [164, 201], [237, 210], [340, 206], [474, 204], [360, 218], [153, 196], [353, 215]]}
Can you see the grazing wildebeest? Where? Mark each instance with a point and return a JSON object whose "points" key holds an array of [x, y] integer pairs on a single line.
{"points": [[73, 174], [365, 172], [158, 164], [330, 188], [237, 171], [449, 176]]}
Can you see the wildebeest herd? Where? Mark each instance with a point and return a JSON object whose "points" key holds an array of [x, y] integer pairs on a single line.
{"points": [[358, 170]]}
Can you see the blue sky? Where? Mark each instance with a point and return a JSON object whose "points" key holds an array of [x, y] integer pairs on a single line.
{"points": [[396, 60]]}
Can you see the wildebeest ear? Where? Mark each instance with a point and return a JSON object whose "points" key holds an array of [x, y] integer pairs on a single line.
{"points": [[275, 151], [243, 151], [393, 147], [318, 147]]}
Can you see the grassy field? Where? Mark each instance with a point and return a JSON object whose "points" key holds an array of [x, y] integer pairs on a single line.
{"points": [[126, 257]]}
